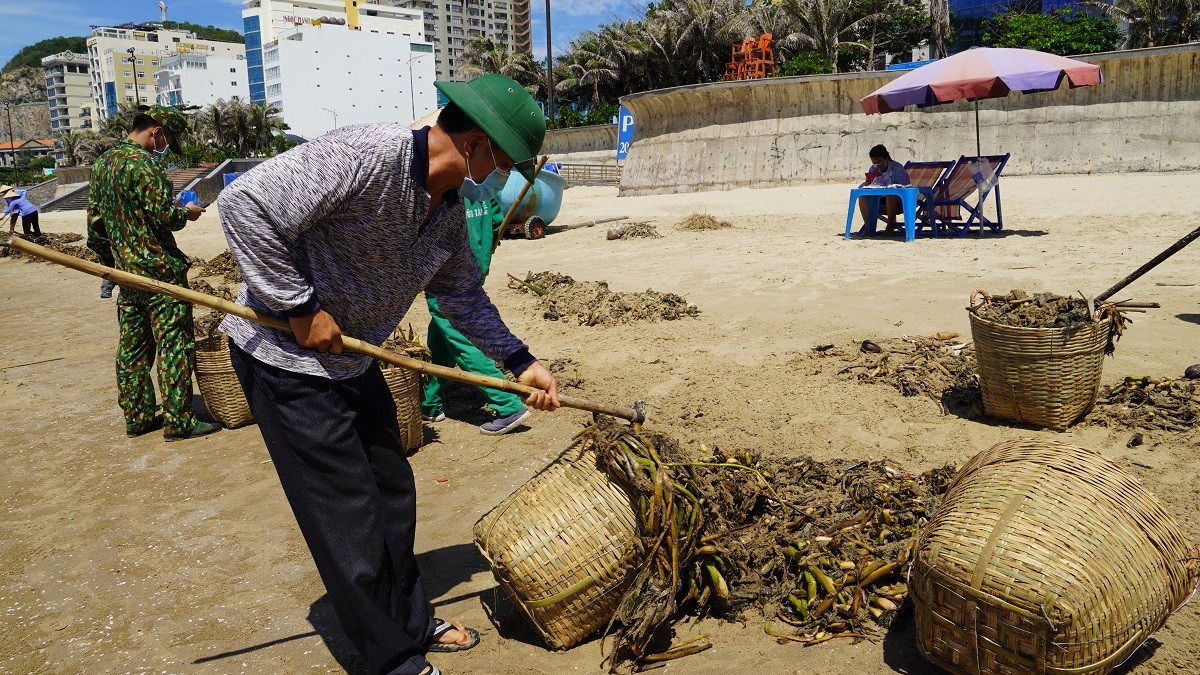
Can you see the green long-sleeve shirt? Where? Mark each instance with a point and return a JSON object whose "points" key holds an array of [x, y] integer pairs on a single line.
{"points": [[131, 216]]}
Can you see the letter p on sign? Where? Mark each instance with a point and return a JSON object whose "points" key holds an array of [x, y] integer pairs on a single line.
{"points": [[624, 133]]}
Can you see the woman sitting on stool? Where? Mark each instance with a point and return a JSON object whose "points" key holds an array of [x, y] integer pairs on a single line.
{"points": [[884, 172]]}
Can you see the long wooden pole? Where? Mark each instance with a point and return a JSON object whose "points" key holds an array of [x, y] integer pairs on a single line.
{"points": [[513, 209], [1170, 251], [633, 414]]}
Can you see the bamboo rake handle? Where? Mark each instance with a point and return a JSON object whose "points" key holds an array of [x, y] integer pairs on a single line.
{"points": [[633, 414], [513, 209]]}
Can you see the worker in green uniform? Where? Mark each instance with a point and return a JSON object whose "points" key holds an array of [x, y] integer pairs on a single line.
{"points": [[131, 218], [448, 347]]}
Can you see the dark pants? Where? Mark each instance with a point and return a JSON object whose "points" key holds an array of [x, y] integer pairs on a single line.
{"points": [[29, 225], [336, 447]]}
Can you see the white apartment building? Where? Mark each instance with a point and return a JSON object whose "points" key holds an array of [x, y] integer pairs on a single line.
{"points": [[119, 75], [68, 91], [199, 79], [325, 76], [451, 24], [266, 21]]}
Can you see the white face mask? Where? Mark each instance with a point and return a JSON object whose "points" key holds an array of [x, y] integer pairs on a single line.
{"points": [[166, 146], [489, 188]]}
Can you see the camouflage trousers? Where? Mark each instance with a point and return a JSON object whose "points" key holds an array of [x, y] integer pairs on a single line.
{"points": [[155, 329]]}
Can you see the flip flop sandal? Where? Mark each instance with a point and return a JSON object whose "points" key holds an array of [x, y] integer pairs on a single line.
{"points": [[443, 626]]}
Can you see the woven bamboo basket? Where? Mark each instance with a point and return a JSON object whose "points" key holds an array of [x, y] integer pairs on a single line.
{"points": [[1049, 377], [564, 547], [1045, 558], [219, 385], [405, 386]]}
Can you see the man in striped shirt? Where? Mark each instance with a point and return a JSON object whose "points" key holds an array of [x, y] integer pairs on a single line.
{"points": [[341, 234]]}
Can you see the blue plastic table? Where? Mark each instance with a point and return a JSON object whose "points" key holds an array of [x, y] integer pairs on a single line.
{"points": [[907, 195]]}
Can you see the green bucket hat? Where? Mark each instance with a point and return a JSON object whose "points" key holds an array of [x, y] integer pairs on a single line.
{"points": [[172, 120], [504, 111]]}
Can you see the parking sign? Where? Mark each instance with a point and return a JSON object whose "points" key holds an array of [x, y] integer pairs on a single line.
{"points": [[624, 133]]}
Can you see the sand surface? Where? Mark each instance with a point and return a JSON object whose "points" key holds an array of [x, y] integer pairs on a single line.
{"points": [[133, 555]]}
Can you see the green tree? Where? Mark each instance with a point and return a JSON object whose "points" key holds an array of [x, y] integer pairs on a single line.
{"points": [[806, 63], [585, 69], [31, 55], [1154, 23], [828, 26], [482, 56], [1063, 32], [206, 32]]}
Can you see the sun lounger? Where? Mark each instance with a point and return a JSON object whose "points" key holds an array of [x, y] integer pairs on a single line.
{"points": [[952, 195], [926, 174]]}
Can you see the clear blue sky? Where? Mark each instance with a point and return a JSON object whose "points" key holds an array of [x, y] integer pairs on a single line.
{"points": [[26, 21]]}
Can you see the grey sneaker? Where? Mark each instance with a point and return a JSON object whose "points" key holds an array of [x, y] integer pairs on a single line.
{"points": [[503, 425]]}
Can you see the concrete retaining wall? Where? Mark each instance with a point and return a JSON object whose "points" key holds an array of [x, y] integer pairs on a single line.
{"points": [[1144, 117], [582, 145], [208, 187], [73, 174]]}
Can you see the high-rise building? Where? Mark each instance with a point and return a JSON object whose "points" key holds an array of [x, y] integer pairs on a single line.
{"points": [[124, 59], [68, 91], [452, 24], [266, 21], [330, 63], [199, 79]]}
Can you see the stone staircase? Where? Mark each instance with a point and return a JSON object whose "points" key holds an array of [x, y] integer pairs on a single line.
{"points": [[77, 199]]}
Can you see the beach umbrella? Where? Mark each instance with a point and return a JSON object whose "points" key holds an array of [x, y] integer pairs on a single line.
{"points": [[979, 73]]}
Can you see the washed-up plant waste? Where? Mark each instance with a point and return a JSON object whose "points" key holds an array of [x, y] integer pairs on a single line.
{"points": [[1148, 403], [820, 549], [591, 303]]}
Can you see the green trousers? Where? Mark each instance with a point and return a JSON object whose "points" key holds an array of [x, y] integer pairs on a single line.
{"points": [[155, 329], [449, 347]]}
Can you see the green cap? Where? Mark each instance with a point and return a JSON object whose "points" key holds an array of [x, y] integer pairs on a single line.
{"points": [[172, 120], [504, 111]]}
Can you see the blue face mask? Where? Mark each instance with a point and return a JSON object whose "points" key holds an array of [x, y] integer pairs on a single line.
{"points": [[489, 188]]}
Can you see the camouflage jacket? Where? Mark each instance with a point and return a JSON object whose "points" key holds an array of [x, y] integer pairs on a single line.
{"points": [[131, 217]]}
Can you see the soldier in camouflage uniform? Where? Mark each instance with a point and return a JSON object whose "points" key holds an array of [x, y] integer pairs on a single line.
{"points": [[131, 218]]}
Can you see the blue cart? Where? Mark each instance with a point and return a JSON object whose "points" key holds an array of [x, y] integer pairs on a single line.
{"points": [[539, 207]]}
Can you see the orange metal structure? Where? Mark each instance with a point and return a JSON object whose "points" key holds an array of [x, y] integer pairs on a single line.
{"points": [[751, 60]]}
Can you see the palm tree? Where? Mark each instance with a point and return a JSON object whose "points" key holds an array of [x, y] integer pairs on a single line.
{"points": [[822, 25], [1154, 23], [939, 17], [71, 143], [586, 66], [482, 56]]}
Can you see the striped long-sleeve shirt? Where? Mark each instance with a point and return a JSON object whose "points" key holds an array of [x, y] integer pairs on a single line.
{"points": [[335, 224]]}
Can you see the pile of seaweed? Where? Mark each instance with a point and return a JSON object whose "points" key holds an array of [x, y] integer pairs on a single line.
{"points": [[1148, 403], [821, 549], [940, 367], [632, 231], [591, 303], [1047, 310], [207, 320], [63, 242], [1040, 310], [698, 222], [222, 265]]}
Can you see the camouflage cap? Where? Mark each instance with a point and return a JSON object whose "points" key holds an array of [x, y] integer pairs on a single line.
{"points": [[171, 120]]}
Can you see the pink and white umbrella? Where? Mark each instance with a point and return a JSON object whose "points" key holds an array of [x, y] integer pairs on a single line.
{"points": [[983, 72]]}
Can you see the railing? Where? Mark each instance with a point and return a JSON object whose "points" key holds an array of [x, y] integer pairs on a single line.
{"points": [[590, 174]]}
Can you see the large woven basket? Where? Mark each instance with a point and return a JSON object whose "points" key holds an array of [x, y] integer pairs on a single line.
{"points": [[219, 385], [405, 386], [564, 547], [1044, 376], [1045, 558]]}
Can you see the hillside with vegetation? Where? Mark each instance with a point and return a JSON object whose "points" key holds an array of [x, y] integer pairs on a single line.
{"points": [[31, 56], [206, 32]]}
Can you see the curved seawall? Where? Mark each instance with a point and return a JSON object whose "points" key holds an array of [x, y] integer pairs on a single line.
{"points": [[766, 133]]}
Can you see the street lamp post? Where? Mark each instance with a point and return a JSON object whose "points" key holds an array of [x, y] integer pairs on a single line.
{"points": [[12, 145], [334, 113], [137, 96], [549, 68], [412, 87]]}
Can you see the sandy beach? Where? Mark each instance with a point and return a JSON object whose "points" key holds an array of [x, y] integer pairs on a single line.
{"points": [[133, 555]]}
